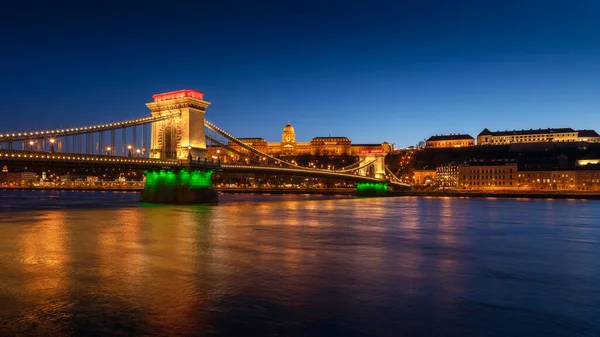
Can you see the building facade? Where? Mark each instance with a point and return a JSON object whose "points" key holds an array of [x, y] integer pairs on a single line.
{"points": [[452, 140], [507, 176], [447, 176], [424, 177], [487, 176], [561, 135]]}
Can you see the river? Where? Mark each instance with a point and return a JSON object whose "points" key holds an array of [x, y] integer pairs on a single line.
{"points": [[92, 263]]}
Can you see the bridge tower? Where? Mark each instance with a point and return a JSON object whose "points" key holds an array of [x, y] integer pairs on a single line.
{"points": [[182, 135], [378, 159]]}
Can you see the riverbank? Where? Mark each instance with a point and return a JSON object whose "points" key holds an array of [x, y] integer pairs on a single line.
{"points": [[323, 191], [508, 195], [351, 191], [83, 189]]}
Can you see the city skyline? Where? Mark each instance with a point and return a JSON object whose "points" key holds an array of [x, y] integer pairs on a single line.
{"points": [[383, 71]]}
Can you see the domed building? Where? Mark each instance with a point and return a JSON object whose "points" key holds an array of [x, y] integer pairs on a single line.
{"points": [[318, 146]]}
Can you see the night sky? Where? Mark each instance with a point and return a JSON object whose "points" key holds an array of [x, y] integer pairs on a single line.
{"points": [[396, 71]]}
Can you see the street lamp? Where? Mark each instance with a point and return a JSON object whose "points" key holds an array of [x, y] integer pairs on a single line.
{"points": [[108, 150], [190, 153], [138, 152], [52, 144], [31, 145], [128, 150]]}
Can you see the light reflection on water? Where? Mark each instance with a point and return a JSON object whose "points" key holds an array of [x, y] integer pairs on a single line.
{"points": [[89, 263]]}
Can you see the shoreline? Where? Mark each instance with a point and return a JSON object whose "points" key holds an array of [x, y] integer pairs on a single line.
{"points": [[349, 191], [505, 195], [73, 189]]}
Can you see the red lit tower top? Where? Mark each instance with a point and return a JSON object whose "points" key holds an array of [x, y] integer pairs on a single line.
{"points": [[167, 96]]}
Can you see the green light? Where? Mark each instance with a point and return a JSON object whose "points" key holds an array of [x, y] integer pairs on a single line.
{"points": [[371, 187], [201, 179], [195, 179], [170, 179], [151, 178]]}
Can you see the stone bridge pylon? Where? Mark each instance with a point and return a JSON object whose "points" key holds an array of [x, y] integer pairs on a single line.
{"points": [[182, 135]]}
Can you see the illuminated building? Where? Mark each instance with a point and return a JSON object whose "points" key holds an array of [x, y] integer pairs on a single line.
{"points": [[556, 180], [423, 177], [452, 140], [589, 136], [487, 137], [507, 176], [588, 161], [487, 176], [447, 176], [17, 178], [588, 180], [318, 146]]}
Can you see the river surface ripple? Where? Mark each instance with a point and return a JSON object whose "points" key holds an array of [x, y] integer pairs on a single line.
{"points": [[90, 263]]}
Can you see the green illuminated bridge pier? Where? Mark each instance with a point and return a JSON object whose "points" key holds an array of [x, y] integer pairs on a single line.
{"points": [[174, 156], [183, 185]]}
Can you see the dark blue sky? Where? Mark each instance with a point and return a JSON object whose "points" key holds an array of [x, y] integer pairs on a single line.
{"points": [[396, 71]]}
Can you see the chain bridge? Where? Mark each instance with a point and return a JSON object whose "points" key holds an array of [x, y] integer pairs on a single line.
{"points": [[175, 136]]}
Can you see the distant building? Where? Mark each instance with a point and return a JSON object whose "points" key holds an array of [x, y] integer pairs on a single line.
{"points": [[318, 146], [487, 176], [18, 178], [589, 136], [561, 135], [452, 140], [555, 180], [424, 177], [587, 161], [447, 176]]}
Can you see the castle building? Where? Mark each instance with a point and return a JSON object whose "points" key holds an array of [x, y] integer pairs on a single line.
{"points": [[289, 147], [487, 137], [452, 140]]}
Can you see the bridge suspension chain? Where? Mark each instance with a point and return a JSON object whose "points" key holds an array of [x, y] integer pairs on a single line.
{"points": [[230, 149], [230, 137], [23, 136]]}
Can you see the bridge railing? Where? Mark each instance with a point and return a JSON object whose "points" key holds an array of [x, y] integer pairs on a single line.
{"points": [[18, 155]]}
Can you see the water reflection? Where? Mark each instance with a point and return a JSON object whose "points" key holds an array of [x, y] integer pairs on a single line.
{"points": [[291, 266]]}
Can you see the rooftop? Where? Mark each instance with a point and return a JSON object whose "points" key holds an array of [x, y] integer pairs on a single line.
{"points": [[449, 137], [487, 132], [587, 133], [332, 138]]}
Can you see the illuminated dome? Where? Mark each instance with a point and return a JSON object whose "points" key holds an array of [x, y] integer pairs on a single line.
{"points": [[288, 135], [288, 128]]}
